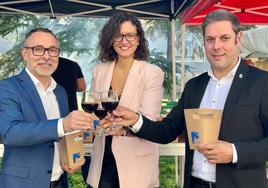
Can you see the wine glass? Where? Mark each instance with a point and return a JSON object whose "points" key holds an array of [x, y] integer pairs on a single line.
{"points": [[89, 104], [109, 101], [101, 113], [90, 101]]}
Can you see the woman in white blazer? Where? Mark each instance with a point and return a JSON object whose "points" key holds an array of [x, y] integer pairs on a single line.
{"points": [[126, 161]]}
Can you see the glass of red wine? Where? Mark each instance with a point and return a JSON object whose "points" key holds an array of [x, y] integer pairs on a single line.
{"points": [[109, 101], [101, 113], [90, 101]]}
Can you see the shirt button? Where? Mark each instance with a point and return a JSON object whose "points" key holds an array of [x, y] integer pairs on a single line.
{"points": [[213, 101], [49, 171]]}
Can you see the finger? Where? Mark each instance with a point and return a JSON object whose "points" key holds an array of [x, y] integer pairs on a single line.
{"points": [[202, 150], [117, 113], [204, 146], [65, 167], [107, 125], [105, 120], [120, 108], [214, 161], [118, 120], [80, 126]]}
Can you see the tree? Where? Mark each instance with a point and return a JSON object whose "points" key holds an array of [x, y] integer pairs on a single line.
{"points": [[194, 49], [75, 36]]}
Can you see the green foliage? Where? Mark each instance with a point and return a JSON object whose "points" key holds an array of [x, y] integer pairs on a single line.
{"points": [[167, 105], [11, 24], [158, 59], [14, 64], [167, 172], [75, 36], [76, 180]]}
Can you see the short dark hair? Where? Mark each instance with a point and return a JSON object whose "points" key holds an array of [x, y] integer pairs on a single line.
{"points": [[39, 29], [111, 28], [222, 15]]}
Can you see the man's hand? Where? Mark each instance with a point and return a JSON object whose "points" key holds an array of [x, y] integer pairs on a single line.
{"points": [[112, 128], [218, 153], [125, 117], [69, 170], [77, 120]]}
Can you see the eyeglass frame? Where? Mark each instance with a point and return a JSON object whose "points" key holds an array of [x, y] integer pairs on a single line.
{"points": [[45, 49], [125, 36]]}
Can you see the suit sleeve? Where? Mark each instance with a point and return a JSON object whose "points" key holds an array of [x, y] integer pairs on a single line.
{"points": [[15, 129]]}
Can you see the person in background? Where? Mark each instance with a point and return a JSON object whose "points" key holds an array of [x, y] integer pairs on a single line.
{"points": [[126, 161], [34, 115], [70, 76], [238, 158]]}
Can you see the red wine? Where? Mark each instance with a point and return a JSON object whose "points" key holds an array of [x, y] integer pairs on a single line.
{"points": [[109, 106], [89, 107], [100, 113]]}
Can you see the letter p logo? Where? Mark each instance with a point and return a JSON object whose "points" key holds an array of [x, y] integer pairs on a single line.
{"points": [[194, 136]]}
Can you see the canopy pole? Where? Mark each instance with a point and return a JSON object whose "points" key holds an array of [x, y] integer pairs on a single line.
{"points": [[51, 9], [183, 46], [173, 51]]}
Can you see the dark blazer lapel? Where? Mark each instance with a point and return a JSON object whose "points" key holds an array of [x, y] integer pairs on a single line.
{"points": [[32, 94], [63, 107], [235, 90]]}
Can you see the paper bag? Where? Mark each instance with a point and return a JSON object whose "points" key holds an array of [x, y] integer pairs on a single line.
{"points": [[203, 125], [71, 149]]}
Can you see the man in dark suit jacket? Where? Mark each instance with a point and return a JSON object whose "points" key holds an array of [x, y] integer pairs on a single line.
{"points": [[34, 116], [238, 159]]}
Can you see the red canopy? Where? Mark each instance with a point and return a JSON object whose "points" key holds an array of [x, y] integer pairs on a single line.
{"points": [[249, 12]]}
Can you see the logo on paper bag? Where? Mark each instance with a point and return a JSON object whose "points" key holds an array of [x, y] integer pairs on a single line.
{"points": [[96, 122], [76, 157], [86, 134], [194, 136]]}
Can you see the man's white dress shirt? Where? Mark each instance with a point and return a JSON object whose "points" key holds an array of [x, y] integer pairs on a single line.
{"points": [[51, 107], [214, 98]]}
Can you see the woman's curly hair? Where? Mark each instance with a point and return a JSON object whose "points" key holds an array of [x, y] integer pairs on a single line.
{"points": [[111, 28]]}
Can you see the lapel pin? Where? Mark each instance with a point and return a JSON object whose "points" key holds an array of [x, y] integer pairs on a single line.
{"points": [[240, 75]]}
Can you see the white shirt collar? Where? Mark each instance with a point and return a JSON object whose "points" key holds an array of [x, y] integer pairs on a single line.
{"points": [[231, 74], [38, 84]]}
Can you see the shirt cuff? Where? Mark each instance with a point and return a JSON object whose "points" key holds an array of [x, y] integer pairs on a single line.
{"points": [[235, 158], [60, 128], [137, 126]]}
